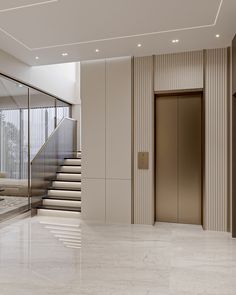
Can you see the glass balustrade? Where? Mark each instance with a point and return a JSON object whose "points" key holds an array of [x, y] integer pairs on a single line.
{"points": [[27, 118]]}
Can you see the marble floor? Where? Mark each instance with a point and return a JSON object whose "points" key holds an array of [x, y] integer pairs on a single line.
{"points": [[48, 255]]}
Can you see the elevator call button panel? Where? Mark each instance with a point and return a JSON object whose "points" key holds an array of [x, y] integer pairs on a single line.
{"points": [[143, 160]]}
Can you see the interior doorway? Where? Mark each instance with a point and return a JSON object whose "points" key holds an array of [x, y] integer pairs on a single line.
{"points": [[179, 158]]}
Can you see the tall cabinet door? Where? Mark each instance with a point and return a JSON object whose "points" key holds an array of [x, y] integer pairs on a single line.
{"points": [[166, 159], [189, 159]]}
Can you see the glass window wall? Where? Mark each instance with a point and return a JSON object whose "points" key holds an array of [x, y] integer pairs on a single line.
{"points": [[27, 118]]}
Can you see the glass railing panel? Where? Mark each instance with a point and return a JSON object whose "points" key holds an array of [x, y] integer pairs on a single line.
{"points": [[13, 147], [63, 110], [61, 144], [28, 118], [42, 119]]}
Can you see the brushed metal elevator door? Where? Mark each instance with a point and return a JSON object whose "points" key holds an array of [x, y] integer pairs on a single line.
{"points": [[178, 159], [166, 157]]}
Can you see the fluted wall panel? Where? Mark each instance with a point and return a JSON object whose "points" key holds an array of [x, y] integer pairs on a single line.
{"points": [[143, 139], [179, 71], [216, 162]]}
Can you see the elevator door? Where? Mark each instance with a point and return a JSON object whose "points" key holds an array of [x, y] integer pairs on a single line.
{"points": [[178, 159]]}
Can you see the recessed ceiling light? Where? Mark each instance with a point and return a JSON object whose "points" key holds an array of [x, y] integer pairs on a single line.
{"points": [[139, 45], [36, 57], [175, 41], [217, 35], [64, 54], [20, 85], [97, 50]]}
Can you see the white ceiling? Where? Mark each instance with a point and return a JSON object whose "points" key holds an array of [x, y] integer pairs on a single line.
{"points": [[47, 28]]}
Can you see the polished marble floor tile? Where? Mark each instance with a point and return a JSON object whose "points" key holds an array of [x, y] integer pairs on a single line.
{"points": [[49, 255]]}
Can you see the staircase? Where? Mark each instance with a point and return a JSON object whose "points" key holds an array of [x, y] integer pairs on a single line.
{"points": [[64, 196]]}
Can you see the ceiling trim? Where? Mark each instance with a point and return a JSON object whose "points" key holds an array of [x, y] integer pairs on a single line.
{"points": [[105, 39], [28, 5]]}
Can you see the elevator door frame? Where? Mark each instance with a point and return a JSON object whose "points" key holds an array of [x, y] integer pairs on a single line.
{"points": [[177, 94]]}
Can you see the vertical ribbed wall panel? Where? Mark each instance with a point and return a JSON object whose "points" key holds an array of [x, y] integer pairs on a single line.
{"points": [[179, 71], [143, 139], [216, 140]]}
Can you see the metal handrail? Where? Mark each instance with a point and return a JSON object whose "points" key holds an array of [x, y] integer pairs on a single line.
{"points": [[28, 85], [50, 136]]}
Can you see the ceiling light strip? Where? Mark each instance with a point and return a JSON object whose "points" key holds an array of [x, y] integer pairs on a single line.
{"points": [[119, 37], [18, 41], [28, 5], [218, 12], [122, 37]]}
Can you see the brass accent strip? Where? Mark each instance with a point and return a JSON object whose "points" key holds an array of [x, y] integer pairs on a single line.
{"points": [[132, 140], [228, 143]]}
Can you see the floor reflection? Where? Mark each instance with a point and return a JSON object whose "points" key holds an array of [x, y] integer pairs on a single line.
{"points": [[58, 256], [68, 234]]}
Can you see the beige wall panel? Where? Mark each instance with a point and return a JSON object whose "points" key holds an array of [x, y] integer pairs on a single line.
{"points": [[166, 159], [118, 118], [118, 201], [94, 200], [106, 140], [93, 118], [189, 160], [178, 71], [216, 193], [143, 139]]}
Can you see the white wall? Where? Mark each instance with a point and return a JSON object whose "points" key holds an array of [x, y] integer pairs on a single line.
{"points": [[106, 140], [58, 80]]}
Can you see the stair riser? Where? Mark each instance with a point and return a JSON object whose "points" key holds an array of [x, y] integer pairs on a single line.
{"points": [[70, 169], [64, 193], [58, 213], [72, 162], [69, 177], [74, 204], [58, 184]]}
